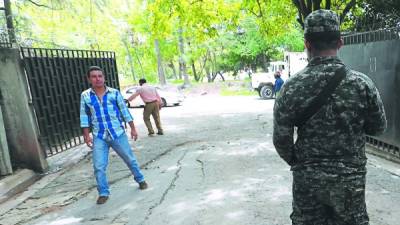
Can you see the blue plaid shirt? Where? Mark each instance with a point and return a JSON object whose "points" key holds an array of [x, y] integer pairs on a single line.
{"points": [[105, 117]]}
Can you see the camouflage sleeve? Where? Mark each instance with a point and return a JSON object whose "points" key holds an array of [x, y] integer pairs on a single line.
{"points": [[375, 122], [283, 129]]}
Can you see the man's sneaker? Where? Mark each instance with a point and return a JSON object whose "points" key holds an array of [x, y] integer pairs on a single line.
{"points": [[143, 185], [102, 200], [160, 133], [151, 134]]}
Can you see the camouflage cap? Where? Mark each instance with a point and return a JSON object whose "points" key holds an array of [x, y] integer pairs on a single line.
{"points": [[321, 20]]}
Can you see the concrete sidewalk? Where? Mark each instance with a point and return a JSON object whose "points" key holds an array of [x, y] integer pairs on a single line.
{"points": [[23, 183]]}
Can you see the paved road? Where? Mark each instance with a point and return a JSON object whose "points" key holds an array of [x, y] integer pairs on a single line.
{"points": [[215, 165]]}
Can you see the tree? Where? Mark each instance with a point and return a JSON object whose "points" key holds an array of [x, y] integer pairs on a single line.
{"points": [[184, 20], [75, 24], [305, 7], [375, 14], [161, 74], [210, 36], [130, 60], [273, 16], [182, 61], [9, 21]]}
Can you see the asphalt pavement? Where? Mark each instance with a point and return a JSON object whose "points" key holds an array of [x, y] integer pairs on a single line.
{"points": [[216, 164]]}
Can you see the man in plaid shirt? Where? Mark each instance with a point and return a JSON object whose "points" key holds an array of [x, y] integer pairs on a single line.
{"points": [[103, 109]]}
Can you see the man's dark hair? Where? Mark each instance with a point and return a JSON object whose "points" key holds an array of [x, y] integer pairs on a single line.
{"points": [[94, 68], [142, 81], [323, 40]]}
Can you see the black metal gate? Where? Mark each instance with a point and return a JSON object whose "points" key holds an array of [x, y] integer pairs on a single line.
{"points": [[56, 79], [4, 41], [377, 54]]}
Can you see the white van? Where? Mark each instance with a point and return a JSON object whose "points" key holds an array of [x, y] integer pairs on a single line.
{"points": [[264, 82]]}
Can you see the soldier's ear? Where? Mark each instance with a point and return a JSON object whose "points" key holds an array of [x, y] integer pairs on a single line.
{"points": [[307, 44], [340, 43]]}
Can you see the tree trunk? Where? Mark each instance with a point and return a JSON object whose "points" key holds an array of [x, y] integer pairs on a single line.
{"points": [[172, 66], [218, 73], [317, 4], [130, 60], [180, 76], [196, 77], [161, 75], [264, 62], [182, 63], [194, 72], [347, 9], [328, 4], [214, 75], [222, 76], [209, 67], [9, 20], [208, 72], [203, 66], [213, 66], [140, 63], [305, 7]]}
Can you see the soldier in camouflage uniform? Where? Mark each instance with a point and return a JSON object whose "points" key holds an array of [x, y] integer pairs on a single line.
{"points": [[328, 157]]}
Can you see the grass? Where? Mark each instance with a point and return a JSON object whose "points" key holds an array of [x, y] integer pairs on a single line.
{"points": [[177, 82], [237, 88], [228, 92]]}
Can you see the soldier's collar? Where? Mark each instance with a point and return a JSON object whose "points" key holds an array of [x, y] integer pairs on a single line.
{"points": [[324, 60]]}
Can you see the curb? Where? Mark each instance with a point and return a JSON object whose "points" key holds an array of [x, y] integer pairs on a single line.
{"points": [[382, 154], [22, 184], [16, 183]]}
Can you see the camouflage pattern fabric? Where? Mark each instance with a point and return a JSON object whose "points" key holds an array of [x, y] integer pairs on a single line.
{"points": [[329, 151], [321, 198], [335, 135], [321, 20]]}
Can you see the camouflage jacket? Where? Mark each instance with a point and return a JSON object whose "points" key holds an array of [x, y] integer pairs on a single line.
{"points": [[335, 136]]}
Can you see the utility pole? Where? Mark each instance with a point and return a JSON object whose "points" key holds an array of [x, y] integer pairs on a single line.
{"points": [[9, 20]]}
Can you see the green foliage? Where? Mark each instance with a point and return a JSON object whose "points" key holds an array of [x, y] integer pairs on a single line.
{"points": [[240, 48], [375, 14], [264, 31], [243, 92], [346, 9], [75, 24], [219, 35]]}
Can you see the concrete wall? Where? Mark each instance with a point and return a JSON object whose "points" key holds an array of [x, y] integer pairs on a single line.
{"points": [[20, 124], [5, 161]]}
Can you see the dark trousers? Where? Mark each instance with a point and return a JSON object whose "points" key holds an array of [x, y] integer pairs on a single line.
{"points": [[152, 109], [320, 198]]}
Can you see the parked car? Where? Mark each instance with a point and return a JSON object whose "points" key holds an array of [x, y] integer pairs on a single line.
{"points": [[169, 97]]}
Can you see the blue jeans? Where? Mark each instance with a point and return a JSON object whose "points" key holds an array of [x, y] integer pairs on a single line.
{"points": [[100, 160]]}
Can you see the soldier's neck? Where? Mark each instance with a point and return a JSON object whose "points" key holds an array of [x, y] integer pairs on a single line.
{"points": [[330, 52]]}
